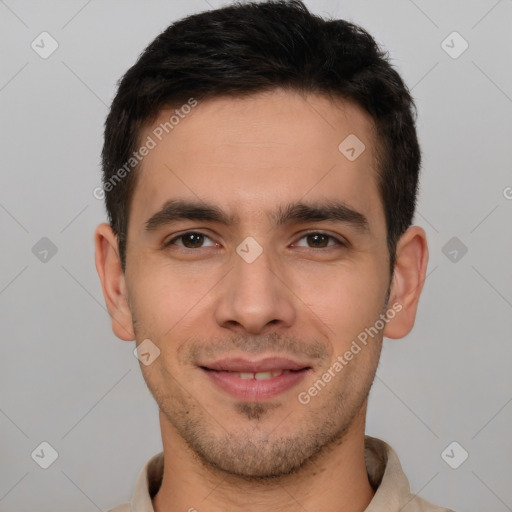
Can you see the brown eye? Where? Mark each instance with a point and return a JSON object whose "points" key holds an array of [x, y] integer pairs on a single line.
{"points": [[191, 240], [318, 240]]}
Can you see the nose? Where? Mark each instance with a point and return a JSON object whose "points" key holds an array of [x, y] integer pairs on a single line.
{"points": [[255, 297]]}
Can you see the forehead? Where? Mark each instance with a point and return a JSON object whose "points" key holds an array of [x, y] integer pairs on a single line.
{"points": [[248, 154]]}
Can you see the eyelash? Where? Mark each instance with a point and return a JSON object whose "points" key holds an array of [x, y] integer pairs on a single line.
{"points": [[337, 240]]}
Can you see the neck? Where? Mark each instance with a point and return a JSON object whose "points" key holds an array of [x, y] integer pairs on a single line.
{"points": [[334, 481]]}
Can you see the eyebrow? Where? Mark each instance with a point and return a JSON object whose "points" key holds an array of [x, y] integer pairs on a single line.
{"points": [[177, 209], [299, 212], [333, 211]]}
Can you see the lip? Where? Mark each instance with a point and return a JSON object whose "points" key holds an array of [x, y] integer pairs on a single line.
{"points": [[224, 374], [239, 364]]}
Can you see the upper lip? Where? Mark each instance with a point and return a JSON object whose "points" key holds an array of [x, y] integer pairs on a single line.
{"points": [[267, 364]]}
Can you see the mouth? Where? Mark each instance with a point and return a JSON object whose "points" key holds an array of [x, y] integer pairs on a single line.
{"points": [[256, 375], [255, 380]]}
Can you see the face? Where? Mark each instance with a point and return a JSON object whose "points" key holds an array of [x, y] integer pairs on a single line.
{"points": [[256, 256]]}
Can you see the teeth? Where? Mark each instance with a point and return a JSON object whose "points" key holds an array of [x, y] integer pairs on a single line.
{"points": [[259, 375], [263, 375]]}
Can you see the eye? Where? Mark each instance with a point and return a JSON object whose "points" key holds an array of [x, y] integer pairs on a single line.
{"points": [[191, 240], [319, 240]]}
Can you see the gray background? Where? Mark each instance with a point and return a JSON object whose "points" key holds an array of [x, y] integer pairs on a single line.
{"points": [[66, 379]]}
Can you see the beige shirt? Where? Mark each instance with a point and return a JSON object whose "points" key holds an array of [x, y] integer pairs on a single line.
{"points": [[384, 473]]}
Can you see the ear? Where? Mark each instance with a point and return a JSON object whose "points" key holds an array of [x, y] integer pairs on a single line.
{"points": [[407, 283], [110, 272]]}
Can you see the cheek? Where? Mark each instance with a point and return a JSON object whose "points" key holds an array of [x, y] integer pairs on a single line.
{"points": [[346, 298], [166, 302], [157, 302]]}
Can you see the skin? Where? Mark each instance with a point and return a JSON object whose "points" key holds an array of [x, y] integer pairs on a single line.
{"points": [[297, 299]]}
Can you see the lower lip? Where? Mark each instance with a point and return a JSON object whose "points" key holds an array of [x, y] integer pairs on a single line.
{"points": [[255, 390]]}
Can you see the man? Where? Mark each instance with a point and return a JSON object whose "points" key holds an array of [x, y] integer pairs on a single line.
{"points": [[260, 171]]}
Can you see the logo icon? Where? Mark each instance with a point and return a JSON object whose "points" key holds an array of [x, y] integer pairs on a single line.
{"points": [[44, 250], [454, 455], [44, 455], [454, 249], [249, 249], [351, 147], [44, 45], [454, 45], [146, 352]]}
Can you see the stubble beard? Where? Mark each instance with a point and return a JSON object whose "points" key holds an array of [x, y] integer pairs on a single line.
{"points": [[253, 452]]}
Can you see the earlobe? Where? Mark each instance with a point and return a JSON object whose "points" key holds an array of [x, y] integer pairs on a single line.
{"points": [[110, 272], [408, 280]]}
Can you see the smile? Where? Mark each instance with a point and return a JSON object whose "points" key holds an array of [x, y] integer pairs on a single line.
{"points": [[259, 375], [255, 386]]}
